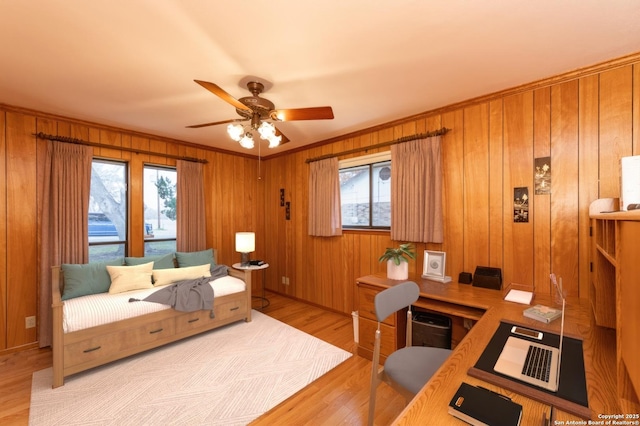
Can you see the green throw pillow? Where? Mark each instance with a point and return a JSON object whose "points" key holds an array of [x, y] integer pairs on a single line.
{"points": [[159, 262], [88, 278], [195, 258]]}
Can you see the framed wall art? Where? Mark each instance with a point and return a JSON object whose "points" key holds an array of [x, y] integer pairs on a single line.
{"points": [[542, 176], [434, 266], [521, 204]]}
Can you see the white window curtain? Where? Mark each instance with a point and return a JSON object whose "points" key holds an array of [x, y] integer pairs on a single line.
{"points": [[416, 191], [191, 220], [325, 219]]}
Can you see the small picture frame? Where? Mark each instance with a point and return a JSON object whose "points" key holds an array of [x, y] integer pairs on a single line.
{"points": [[434, 264]]}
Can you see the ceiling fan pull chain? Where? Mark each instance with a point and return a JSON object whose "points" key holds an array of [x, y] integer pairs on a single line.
{"points": [[259, 161]]}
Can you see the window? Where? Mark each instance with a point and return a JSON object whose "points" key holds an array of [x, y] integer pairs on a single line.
{"points": [[107, 211], [365, 191], [159, 210]]}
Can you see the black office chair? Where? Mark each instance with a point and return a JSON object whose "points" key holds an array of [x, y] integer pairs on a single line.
{"points": [[409, 368]]}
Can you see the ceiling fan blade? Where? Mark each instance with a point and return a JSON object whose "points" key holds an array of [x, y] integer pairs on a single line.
{"points": [[197, 126], [317, 113], [216, 90]]}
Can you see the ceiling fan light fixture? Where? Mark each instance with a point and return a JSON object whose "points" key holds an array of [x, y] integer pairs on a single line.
{"points": [[247, 141], [266, 130], [235, 131], [274, 141], [278, 115]]}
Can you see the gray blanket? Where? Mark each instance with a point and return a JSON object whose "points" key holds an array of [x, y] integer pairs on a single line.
{"points": [[188, 295], [185, 296]]}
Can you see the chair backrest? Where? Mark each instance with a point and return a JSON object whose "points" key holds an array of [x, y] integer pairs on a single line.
{"points": [[395, 298]]}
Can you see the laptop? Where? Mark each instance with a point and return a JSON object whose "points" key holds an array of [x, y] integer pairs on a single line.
{"points": [[534, 363]]}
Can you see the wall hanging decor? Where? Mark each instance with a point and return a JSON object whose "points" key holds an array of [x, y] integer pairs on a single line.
{"points": [[542, 176], [521, 204]]}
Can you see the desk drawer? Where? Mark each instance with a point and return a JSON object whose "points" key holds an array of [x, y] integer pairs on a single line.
{"points": [[366, 336], [366, 307]]}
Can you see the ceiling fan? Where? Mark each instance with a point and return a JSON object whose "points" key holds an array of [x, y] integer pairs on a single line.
{"points": [[260, 112]]}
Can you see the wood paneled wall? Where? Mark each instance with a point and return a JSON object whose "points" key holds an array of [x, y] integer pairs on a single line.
{"points": [[584, 121], [233, 198]]}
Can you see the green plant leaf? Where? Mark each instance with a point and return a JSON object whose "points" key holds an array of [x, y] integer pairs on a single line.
{"points": [[400, 254]]}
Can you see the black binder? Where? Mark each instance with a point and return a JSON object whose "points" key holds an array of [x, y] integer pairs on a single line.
{"points": [[480, 406]]}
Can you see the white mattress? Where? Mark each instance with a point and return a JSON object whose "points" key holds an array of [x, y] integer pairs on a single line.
{"points": [[97, 309]]}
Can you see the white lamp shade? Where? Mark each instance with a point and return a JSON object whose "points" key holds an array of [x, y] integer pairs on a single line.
{"points": [[266, 130], [245, 242], [274, 141], [235, 131], [247, 141]]}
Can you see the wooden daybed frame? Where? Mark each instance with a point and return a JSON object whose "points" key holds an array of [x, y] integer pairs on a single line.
{"points": [[84, 349]]}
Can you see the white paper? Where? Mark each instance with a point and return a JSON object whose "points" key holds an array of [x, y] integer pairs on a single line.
{"points": [[629, 181], [519, 296]]}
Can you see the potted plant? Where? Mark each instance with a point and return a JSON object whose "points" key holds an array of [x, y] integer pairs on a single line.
{"points": [[398, 260]]}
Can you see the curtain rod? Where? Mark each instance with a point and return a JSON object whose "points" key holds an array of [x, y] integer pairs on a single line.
{"points": [[42, 135], [438, 132]]}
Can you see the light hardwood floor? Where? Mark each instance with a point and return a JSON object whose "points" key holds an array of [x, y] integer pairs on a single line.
{"points": [[339, 397]]}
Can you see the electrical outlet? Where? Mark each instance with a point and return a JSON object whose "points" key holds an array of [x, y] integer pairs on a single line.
{"points": [[286, 281], [30, 322]]}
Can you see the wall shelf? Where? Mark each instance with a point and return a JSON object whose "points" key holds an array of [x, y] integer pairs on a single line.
{"points": [[614, 293]]}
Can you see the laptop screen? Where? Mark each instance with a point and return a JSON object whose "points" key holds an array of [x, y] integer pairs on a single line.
{"points": [[559, 293]]}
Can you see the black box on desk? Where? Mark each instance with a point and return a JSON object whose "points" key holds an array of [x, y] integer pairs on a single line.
{"points": [[465, 278], [488, 277], [430, 329]]}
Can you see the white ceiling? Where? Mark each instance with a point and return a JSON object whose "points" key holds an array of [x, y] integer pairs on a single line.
{"points": [[131, 63]]}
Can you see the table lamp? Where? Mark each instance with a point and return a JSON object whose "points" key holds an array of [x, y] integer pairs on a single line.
{"points": [[245, 244]]}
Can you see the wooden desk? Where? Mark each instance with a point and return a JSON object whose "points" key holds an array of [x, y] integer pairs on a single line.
{"points": [[430, 405]]}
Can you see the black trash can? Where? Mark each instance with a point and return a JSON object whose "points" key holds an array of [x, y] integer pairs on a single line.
{"points": [[429, 329]]}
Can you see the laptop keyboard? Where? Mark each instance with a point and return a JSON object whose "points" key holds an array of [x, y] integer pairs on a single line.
{"points": [[538, 363]]}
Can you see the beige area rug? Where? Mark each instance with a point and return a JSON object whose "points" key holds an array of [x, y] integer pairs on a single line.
{"points": [[228, 376]]}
